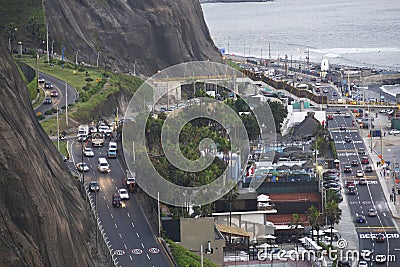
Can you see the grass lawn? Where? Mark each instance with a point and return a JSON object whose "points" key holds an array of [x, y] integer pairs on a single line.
{"points": [[63, 148]]}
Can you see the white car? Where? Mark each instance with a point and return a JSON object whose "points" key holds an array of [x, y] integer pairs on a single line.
{"points": [[362, 264], [347, 115], [88, 152], [394, 131], [360, 173], [113, 145], [123, 193], [82, 167]]}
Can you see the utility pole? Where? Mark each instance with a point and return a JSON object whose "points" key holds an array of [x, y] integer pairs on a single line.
{"points": [[159, 215], [134, 68], [62, 56], [47, 43], [66, 103], [269, 54], [97, 60], [58, 133]]}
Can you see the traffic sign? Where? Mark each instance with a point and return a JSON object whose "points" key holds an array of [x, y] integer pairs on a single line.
{"points": [[119, 252], [154, 250], [137, 251]]}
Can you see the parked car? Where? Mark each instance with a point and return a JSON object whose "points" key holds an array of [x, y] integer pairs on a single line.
{"points": [[88, 152], [82, 167], [368, 168], [372, 212], [48, 100], [54, 93], [354, 163], [123, 193], [360, 218], [94, 186], [48, 85], [394, 131], [380, 237]]}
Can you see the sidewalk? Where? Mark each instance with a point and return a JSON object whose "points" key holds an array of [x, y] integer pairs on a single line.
{"points": [[390, 150]]}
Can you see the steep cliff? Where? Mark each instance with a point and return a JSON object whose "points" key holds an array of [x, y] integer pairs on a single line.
{"points": [[153, 33], [43, 221]]}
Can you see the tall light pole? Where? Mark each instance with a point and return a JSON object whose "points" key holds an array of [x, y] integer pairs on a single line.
{"points": [[134, 68], [47, 43], [66, 103], [97, 60], [76, 57]]}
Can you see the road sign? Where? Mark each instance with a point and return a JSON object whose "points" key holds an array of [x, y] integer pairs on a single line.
{"points": [[137, 251], [154, 250], [119, 252]]}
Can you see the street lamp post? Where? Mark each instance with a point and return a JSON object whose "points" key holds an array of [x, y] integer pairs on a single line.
{"points": [[97, 60], [76, 57]]}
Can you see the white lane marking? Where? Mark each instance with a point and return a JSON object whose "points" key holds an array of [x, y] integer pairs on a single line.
{"points": [[142, 245], [112, 216], [115, 225], [373, 244], [120, 236], [125, 246], [133, 225], [148, 256], [129, 215], [137, 235], [108, 207], [130, 257], [104, 198]]}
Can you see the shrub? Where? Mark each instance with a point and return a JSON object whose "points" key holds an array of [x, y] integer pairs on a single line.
{"points": [[48, 112], [40, 117], [81, 69], [88, 80]]}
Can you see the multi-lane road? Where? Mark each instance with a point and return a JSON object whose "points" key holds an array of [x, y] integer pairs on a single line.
{"points": [[132, 241], [367, 196]]}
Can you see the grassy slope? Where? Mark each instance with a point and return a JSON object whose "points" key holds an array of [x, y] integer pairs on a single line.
{"points": [[184, 257]]}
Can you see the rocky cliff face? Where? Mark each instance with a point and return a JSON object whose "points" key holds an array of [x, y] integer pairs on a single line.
{"points": [[153, 33], [43, 221]]}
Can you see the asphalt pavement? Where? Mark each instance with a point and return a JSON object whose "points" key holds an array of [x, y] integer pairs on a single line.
{"points": [[65, 95], [132, 241]]}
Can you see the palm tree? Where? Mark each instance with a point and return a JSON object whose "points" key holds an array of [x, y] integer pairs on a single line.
{"points": [[315, 220], [333, 214], [231, 196], [295, 224]]}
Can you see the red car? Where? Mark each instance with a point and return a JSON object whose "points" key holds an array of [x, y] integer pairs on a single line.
{"points": [[330, 117], [54, 93], [365, 160]]}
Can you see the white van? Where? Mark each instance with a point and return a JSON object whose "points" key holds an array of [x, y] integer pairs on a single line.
{"points": [[113, 145], [102, 165], [83, 132]]}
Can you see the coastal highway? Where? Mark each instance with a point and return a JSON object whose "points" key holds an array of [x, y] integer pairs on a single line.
{"points": [[367, 196], [127, 229], [59, 86]]}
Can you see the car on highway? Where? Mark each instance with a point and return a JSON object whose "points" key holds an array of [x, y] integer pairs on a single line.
{"points": [[330, 117], [82, 167], [351, 190], [348, 139], [360, 173], [123, 193], [130, 180], [372, 212], [362, 264], [48, 85], [88, 152], [325, 90], [361, 151], [380, 237], [54, 93], [334, 93], [349, 183], [354, 163], [41, 80], [112, 153], [342, 127], [102, 165], [48, 100], [347, 115], [360, 218], [394, 131], [116, 200], [94, 186], [365, 160], [368, 168], [347, 169]]}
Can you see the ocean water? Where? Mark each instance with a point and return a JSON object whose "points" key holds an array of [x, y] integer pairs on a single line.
{"points": [[364, 33]]}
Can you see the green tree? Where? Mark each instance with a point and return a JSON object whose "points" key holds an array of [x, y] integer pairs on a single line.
{"points": [[231, 196], [315, 220], [296, 223], [333, 213]]}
